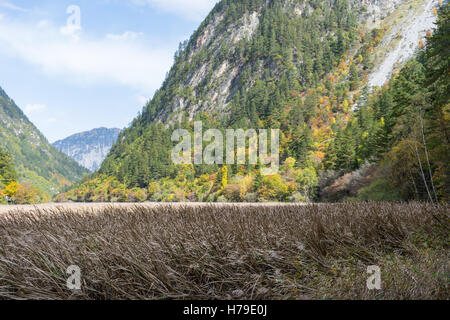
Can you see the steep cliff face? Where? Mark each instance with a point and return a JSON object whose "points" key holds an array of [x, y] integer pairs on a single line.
{"points": [[34, 158], [89, 148], [242, 42], [410, 27], [233, 49]]}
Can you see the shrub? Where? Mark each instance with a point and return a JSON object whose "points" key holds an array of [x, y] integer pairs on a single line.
{"points": [[251, 197], [308, 180], [297, 197], [221, 199], [379, 190], [273, 189], [233, 192], [141, 195], [153, 188]]}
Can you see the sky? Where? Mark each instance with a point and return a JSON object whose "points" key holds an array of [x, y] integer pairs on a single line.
{"points": [[76, 65]]}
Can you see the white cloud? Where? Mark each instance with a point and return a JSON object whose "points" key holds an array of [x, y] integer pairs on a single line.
{"points": [[43, 23], [32, 108], [142, 99], [68, 30], [195, 10], [73, 56], [9, 5], [127, 35]]}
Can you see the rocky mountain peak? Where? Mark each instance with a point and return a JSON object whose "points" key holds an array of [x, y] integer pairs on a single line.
{"points": [[89, 148]]}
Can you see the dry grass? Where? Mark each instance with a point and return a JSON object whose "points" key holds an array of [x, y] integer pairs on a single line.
{"points": [[226, 251]]}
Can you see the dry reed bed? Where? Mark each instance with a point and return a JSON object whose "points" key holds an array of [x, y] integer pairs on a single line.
{"points": [[226, 251]]}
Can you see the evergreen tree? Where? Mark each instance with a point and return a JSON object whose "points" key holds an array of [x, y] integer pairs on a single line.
{"points": [[354, 77], [7, 171]]}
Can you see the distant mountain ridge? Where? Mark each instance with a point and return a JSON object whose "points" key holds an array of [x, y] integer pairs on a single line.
{"points": [[35, 160], [89, 148]]}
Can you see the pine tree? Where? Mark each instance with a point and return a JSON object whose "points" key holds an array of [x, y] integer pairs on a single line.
{"points": [[7, 171], [354, 78], [258, 180]]}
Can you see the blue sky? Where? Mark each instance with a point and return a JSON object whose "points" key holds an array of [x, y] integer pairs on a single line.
{"points": [[69, 80]]}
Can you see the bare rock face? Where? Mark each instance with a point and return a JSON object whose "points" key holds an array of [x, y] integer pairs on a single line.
{"points": [[221, 75], [90, 148], [404, 39]]}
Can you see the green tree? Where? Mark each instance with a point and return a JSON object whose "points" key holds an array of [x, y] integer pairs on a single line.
{"points": [[7, 171], [354, 77]]}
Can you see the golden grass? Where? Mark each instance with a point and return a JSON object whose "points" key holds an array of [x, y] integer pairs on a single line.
{"points": [[226, 251]]}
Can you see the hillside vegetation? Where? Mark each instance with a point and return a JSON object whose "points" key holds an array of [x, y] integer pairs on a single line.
{"points": [[36, 162], [302, 67], [13, 192]]}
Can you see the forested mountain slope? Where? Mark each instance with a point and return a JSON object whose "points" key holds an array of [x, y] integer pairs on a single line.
{"points": [[7, 171], [245, 63], [303, 67], [35, 160]]}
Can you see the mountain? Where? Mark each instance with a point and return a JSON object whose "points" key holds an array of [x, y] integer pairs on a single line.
{"points": [[247, 59], [317, 71], [89, 148], [243, 63], [7, 171], [35, 160]]}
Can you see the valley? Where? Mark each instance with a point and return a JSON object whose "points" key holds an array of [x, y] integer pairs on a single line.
{"points": [[346, 100], [334, 77]]}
